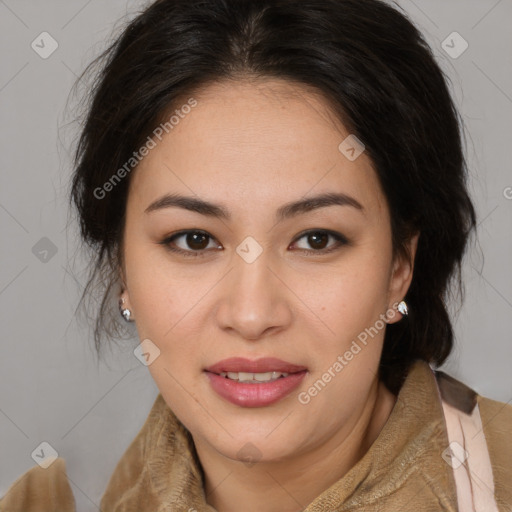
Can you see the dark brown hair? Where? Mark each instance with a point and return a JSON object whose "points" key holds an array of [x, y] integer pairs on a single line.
{"points": [[379, 77]]}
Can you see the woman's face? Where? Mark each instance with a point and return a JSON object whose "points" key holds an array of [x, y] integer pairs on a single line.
{"points": [[246, 286]]}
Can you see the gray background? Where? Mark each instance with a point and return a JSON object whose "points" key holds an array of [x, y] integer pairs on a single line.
{"points": [[51, 389]]}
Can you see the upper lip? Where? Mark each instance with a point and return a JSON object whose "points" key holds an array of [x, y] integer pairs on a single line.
{"points": [[263, 365]]}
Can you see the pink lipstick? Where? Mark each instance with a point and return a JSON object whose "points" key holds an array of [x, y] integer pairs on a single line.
{"points": [[258, 383]]}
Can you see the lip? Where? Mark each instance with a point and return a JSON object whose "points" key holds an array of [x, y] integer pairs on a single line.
{"points": [[262, 365], [254, 395], [261, 394]]}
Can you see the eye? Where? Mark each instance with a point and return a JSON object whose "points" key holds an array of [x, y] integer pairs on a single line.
{"points": [[196, 240], [319, 238]]}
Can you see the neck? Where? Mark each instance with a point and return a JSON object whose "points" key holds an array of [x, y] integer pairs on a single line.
{"points": [[290, 485]]}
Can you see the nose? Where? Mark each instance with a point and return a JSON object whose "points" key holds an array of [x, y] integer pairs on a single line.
{"points": [[255, 301]]}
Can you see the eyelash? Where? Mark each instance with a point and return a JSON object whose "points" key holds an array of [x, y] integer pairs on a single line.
{"points": [[340, 239]]}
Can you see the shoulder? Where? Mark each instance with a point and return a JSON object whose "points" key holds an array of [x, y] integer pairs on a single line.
{"points": [[497, 427], [495, 423], [496, 416], [40, 489], [497, 420]]}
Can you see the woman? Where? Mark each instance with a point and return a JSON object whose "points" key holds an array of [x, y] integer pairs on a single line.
{"points": [[275, 192]]}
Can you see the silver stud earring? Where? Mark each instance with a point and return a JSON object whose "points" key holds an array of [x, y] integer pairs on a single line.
{"points": [[402, 307], [125, 312]]}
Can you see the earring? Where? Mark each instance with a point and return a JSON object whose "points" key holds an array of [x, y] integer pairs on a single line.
{"points": [[125, 312], [402, 307]]}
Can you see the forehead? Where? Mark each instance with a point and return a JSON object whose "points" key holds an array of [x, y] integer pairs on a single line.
{"points": [[255, 141]]}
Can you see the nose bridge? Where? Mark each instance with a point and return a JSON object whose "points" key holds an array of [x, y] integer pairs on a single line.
{"points": [[252, 278], [254, 301]]}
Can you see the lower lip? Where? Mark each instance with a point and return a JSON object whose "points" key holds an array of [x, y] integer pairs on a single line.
{"points": [[255, 395]]}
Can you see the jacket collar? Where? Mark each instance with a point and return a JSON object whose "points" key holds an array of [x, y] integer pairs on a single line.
{"points": [[405, 464]]}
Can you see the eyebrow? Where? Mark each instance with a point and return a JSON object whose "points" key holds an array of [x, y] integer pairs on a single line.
{"points": [[286, 211]]}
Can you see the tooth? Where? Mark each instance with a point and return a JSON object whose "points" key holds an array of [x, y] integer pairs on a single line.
{"points": [[249, 377], [264, 376], [242, 376]]}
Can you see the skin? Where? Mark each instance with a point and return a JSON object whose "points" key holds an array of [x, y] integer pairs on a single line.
{"points": [[253, 146]]}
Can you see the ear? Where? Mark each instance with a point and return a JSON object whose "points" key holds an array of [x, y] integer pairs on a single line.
{"points": [[124, 295], [401, 277]]}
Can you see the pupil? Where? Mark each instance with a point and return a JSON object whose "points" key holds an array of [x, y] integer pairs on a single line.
{"points": [[192, 240], [317, 236]]}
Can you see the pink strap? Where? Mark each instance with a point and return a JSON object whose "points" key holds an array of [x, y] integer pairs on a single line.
{"points": [[469, 458]]}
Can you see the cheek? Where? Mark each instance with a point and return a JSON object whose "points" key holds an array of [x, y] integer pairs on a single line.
{"points": [[160, 293], [347, 298], [165, 315]]}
